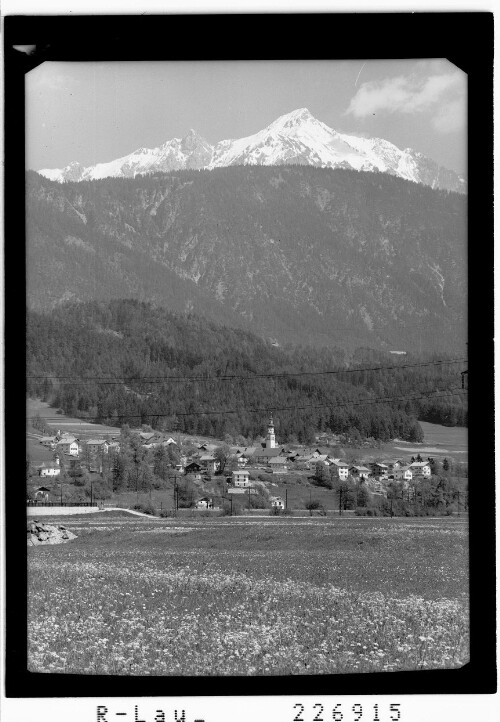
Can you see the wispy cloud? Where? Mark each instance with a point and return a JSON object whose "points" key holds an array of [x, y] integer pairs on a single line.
{"points": [[440, 94]]}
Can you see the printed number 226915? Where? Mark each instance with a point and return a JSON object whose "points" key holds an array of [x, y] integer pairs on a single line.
{"points": [[346, 713]]}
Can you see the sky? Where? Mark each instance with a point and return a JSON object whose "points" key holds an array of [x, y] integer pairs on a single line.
{"points": [[96, 112]]}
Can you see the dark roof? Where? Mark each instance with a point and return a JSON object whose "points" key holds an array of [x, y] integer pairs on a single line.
{"points": [[268, 452]]}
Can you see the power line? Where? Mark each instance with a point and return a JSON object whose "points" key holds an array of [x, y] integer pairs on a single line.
{"points": [[457, 391], [105, 380]]}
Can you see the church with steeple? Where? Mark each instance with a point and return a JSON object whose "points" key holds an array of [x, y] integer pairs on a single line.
{"points": [[270, 442], [269, 447]]}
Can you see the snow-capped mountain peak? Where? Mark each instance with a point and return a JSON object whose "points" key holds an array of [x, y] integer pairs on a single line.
{"points": [[295, 137]]}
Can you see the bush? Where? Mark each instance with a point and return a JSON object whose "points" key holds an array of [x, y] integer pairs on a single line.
{"points": [[226, 510], [205, 512], [276, 511], [367, 511], [257, 501], [145, 508], [312, 505], [168, 514]]}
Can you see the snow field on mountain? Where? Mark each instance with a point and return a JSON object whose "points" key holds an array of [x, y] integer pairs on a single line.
{"points": [[295, 137]]}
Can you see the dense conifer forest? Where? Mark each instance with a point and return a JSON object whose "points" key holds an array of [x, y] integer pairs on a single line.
{"points": [[305, 255], [128, 362]]}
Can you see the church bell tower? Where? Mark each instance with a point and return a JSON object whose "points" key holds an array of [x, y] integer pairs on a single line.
{"points": [[271, 437]]}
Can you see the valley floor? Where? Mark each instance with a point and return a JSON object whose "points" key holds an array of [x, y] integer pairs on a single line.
{"points": [[249, 596]]}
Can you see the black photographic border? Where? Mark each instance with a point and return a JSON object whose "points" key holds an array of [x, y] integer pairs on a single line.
{"points": [[464, 38]]}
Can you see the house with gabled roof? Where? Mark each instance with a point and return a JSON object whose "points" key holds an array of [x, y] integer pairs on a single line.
{"points": [[68, 445], [95, 446], [380, 469], [49, 441], [263, 456], [403, 473], [209, 463], [277, 502], [359, 472], [205, 502], [339, 469], [421, 469], [278, 464], [241, 478], [147, 436], [192, 468], [208, 448], [49, 470]]}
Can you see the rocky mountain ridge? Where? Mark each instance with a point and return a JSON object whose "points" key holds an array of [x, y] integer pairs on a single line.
{"points": [[294, 138], [296, 254]]}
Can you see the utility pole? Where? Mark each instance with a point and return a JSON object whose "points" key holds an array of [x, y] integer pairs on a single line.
{"points": [[61, 493], [91, 491], [176, 495], [286, 498]]}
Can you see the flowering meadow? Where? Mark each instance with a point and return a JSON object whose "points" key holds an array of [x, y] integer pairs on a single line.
{"points": [[249, 596]]}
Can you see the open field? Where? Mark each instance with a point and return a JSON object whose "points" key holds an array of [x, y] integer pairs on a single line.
{"points": [[439, 441], [249, 596], [66, 423], [452, 438]]}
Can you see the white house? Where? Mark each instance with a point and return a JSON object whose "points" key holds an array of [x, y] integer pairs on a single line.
{"points": [[403, 473], [49, 470], [420, 469], [241, 478], [68, 445], [277, 502], [340, 469]]}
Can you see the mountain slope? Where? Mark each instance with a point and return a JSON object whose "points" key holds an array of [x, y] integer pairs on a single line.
{"points": [[141, 346], [294, 138], [298, 254]]}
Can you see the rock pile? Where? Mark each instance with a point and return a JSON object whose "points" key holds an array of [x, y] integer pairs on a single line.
{"points": [[47, 534]]}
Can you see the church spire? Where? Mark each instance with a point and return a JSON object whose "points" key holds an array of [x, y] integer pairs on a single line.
{"points": [[271, 437]]}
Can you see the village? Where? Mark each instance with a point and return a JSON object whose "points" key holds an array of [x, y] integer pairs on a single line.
{"points": [[257, 476]]}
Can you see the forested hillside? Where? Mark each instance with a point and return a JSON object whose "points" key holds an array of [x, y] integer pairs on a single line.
{"points": [[131, 362], [303, 255]]}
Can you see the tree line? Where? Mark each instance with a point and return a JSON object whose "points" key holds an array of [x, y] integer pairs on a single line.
{"points": [[97, 361]]}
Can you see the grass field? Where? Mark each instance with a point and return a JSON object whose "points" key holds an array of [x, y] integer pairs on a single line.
{"points": [[249, 596], [83, 429]]}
